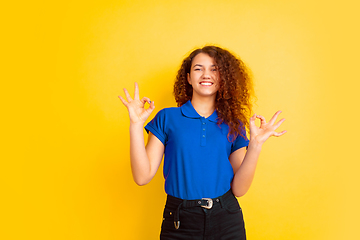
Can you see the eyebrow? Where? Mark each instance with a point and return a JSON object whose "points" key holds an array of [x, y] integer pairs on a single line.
{"points": [[199, 65]]}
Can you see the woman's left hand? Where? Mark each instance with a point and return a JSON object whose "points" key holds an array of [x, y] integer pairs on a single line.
{"points": [[266, 129]]}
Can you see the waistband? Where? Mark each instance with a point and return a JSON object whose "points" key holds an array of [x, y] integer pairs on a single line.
{"points": [[207, 203], [204, 202]]}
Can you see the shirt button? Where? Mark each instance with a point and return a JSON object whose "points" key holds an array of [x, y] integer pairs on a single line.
{"points": [[203, 135], [204, 123], [204, 129]]}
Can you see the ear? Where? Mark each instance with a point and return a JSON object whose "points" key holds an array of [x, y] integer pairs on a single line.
{"points": [[188, 78]]}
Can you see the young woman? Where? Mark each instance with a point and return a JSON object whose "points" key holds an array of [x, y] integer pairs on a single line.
{"points": [[208, 160]]}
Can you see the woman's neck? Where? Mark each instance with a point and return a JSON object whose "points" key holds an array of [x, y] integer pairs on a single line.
{"points": [[204, 106]]}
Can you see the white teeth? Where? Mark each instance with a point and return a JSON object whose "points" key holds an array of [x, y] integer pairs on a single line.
{"points": [[206, 83]]}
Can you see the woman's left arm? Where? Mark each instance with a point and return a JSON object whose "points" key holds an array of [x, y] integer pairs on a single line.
{"points": [[244, 164]]}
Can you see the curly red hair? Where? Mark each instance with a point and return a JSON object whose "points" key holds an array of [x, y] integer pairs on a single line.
{"points": [[234, 97]]}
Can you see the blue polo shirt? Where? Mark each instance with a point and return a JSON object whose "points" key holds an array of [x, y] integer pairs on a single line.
{"points": [[196, 158]]}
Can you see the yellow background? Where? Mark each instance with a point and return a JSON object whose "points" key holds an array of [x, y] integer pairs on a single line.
{"points": [[65, 171]]}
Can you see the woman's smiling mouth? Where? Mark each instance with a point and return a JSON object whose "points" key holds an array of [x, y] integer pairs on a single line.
{"points": [[206, 83]]}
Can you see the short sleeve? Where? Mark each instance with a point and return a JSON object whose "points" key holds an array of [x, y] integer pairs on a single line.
{"points": [[157, 126], [240, 141]]}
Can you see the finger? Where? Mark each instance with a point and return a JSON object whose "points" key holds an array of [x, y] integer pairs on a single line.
{"points": [[262, 119], [279, 123], [152, 105], [273, 119], [136, 94], [150, 109], [145, 99], [278, 134], [123, 101], [252, 119], [127, 95]]}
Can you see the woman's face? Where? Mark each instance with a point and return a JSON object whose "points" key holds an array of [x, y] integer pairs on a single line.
{"points": [[203, 76]]}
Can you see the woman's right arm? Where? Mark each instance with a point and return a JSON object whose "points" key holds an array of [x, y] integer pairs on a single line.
{"points": [[145, 161]]}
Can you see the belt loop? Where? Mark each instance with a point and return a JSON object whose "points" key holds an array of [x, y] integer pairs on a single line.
{"points": [[177, 216], [221, 202]]}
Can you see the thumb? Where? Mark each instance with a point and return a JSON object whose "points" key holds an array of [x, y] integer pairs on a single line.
{"points": [[151, 107], [252, 119]]}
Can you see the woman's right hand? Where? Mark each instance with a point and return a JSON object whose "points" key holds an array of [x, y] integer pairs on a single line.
{"points": [[136, 107]]}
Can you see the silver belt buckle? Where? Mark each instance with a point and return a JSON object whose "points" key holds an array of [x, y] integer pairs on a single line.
{"points": [[209, 203]]}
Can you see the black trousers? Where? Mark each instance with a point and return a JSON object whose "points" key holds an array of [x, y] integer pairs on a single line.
{"points": [[184, 219]]}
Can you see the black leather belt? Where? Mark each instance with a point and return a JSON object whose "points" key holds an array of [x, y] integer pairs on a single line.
{"points": [[206, 203]]}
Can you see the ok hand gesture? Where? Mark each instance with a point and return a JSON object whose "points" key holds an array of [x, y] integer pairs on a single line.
{"points": [[136, 107], [266, 130]]}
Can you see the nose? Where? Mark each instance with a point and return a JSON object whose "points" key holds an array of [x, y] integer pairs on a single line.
{"points": [[206, 74]]}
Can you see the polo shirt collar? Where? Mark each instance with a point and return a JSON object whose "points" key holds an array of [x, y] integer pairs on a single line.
{"points": [[189, 111]]}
